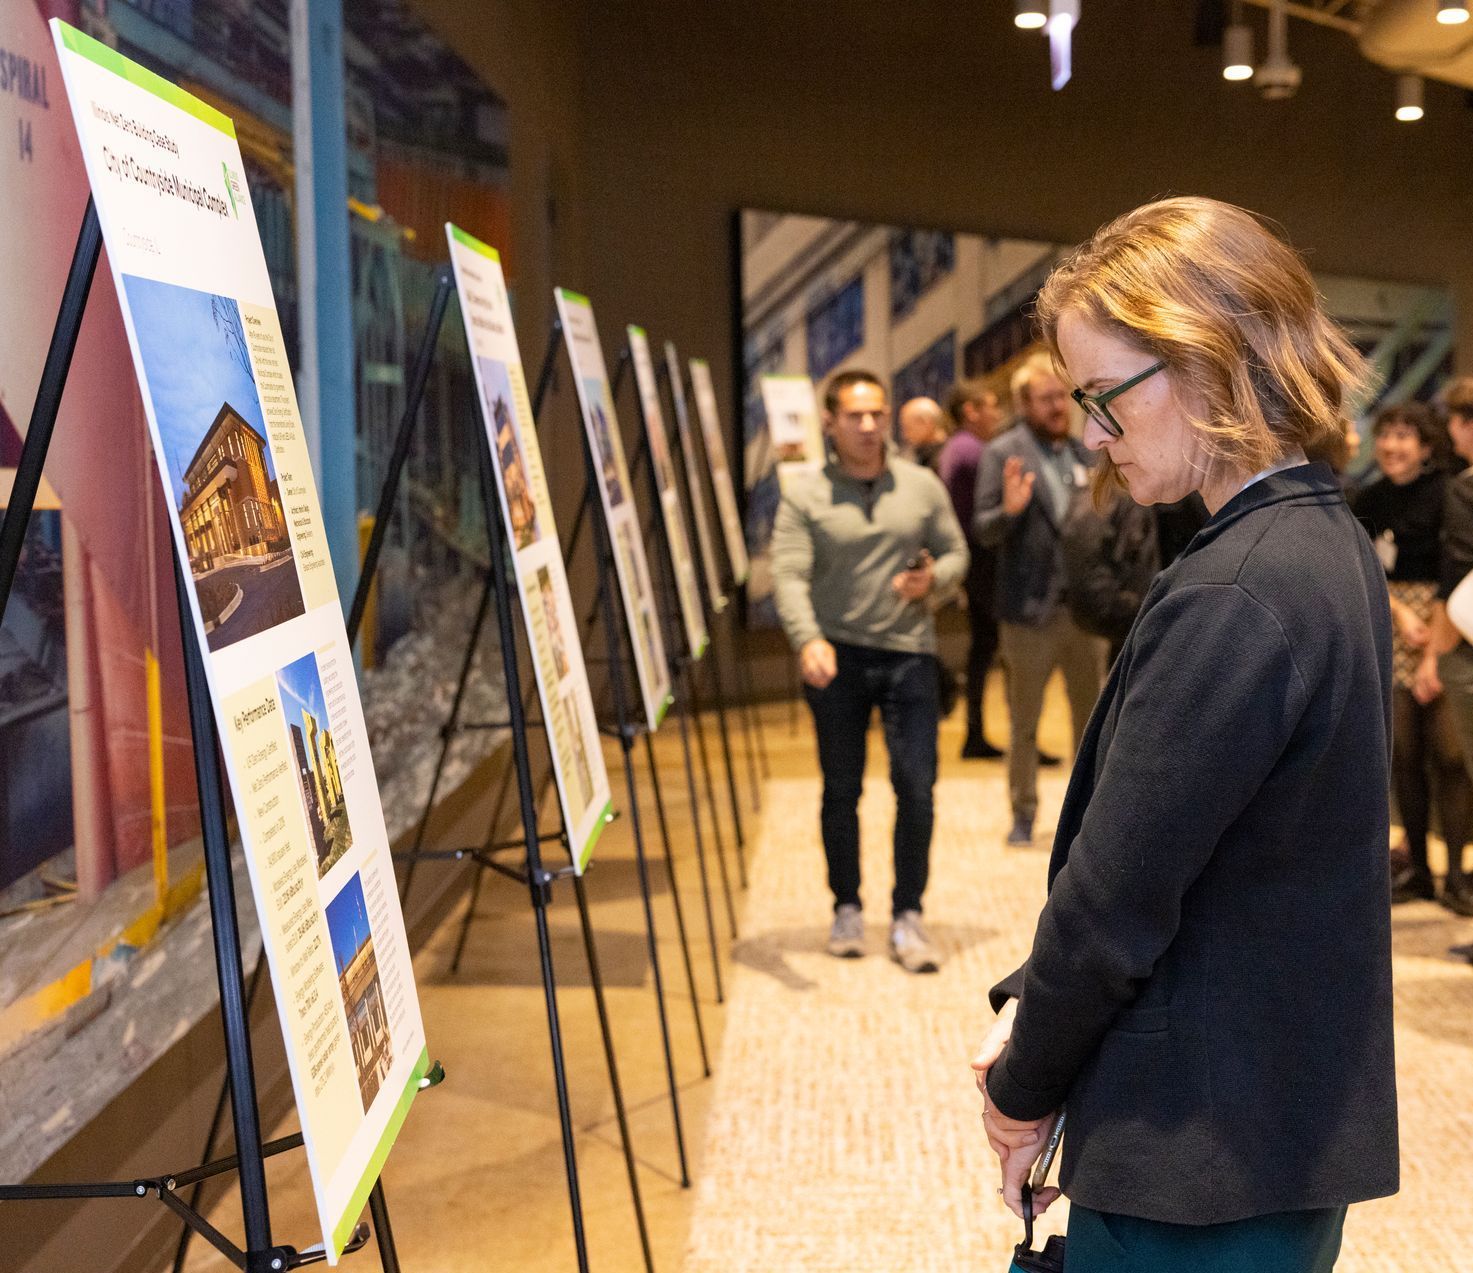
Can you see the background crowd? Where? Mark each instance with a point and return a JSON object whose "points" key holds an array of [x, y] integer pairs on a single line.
{"points": [[1052, 579]]}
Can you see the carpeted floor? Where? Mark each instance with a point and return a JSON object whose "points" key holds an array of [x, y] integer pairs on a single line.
{"points": [[843, 1132]]}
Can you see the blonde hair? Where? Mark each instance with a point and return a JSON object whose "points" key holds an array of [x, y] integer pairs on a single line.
{"points": [[1030, 369], [1232, 310]]}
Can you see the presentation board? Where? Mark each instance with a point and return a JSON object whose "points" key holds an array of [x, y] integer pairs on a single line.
{"points": [[700, 510], [793, 423], [621, 509], [185, 251], [688, 590], [537, 557], [726, 505]]}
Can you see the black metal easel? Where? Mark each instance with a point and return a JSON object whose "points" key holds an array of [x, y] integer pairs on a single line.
{"points": [[453, 724], [628, 729], [683, 659], [259, 1255], [531, 872], [540, 881], [419, 377], [713, 605]]}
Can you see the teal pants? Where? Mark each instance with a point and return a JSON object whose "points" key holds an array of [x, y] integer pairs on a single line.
{"points": [[1287, 1242]]}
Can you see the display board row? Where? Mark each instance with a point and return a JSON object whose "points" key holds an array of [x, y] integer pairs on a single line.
{"points": [[206, 339]]}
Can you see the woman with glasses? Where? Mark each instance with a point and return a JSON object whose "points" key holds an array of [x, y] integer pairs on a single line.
{"points": [[1208, 994]]}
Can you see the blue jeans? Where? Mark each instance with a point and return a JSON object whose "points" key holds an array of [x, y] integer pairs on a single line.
{"points": [[903, 687], [1286, 1242]]}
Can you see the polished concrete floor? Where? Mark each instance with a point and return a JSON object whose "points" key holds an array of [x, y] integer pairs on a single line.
{"points": [[838, 1131]]}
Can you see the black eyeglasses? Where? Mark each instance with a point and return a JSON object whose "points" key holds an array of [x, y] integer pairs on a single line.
{"points": [[1097, 405]]}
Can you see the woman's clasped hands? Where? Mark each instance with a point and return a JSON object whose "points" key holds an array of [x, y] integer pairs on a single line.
{"points": [[1017, 1143]]}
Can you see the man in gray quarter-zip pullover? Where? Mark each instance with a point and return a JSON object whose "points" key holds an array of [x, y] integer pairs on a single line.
{"points": [[861, 552]]}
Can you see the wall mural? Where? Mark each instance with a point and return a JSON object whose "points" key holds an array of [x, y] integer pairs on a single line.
{"points": [[922, 308], [98, 809]]}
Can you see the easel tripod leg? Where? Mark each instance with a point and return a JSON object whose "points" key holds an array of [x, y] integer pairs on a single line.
{"points": [[186, 1236], [447, 738], [239, 1062], [690, 976], [48, 399], [695, 816], [538, 881], [560, 1082], [596, 976], [470, 915], [705, 758], [378, 1208], [718, 693]]}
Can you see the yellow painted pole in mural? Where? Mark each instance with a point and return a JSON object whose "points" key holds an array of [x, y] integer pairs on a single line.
{"points": [[367, 628], [159, 813]]}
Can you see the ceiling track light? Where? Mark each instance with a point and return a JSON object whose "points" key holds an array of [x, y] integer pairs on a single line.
{"points": [[1451, 14], [1278, 77], [1408, 98], [1031, 15], [1237, 52]]}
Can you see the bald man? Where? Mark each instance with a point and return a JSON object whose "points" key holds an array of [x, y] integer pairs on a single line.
{"points": [[922, 431]]}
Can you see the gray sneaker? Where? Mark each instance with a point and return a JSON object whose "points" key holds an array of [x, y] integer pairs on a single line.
{"points": [[846, 937], [1021, 835], [910, 945]]}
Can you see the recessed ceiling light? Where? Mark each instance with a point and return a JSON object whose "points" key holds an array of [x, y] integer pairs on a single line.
{"points": [[1032, 15]]}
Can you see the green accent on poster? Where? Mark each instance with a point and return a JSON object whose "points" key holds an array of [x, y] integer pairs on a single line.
{"points": [[359, 1200], [112, 60], [585, 854], [475, 244]]}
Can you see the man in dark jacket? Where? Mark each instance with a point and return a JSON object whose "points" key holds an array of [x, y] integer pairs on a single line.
{"points": [[976, 414], [1110, 557], [1025, 485]]}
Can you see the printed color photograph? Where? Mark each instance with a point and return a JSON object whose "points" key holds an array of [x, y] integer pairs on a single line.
{"points": [[601, 429], [222, 479], [554, 625], [315, 760], [510, 454], [362, 991]]}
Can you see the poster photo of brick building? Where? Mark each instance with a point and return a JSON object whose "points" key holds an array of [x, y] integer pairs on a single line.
{"points": [[222, 477], [362, 991], [314, 760]]}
